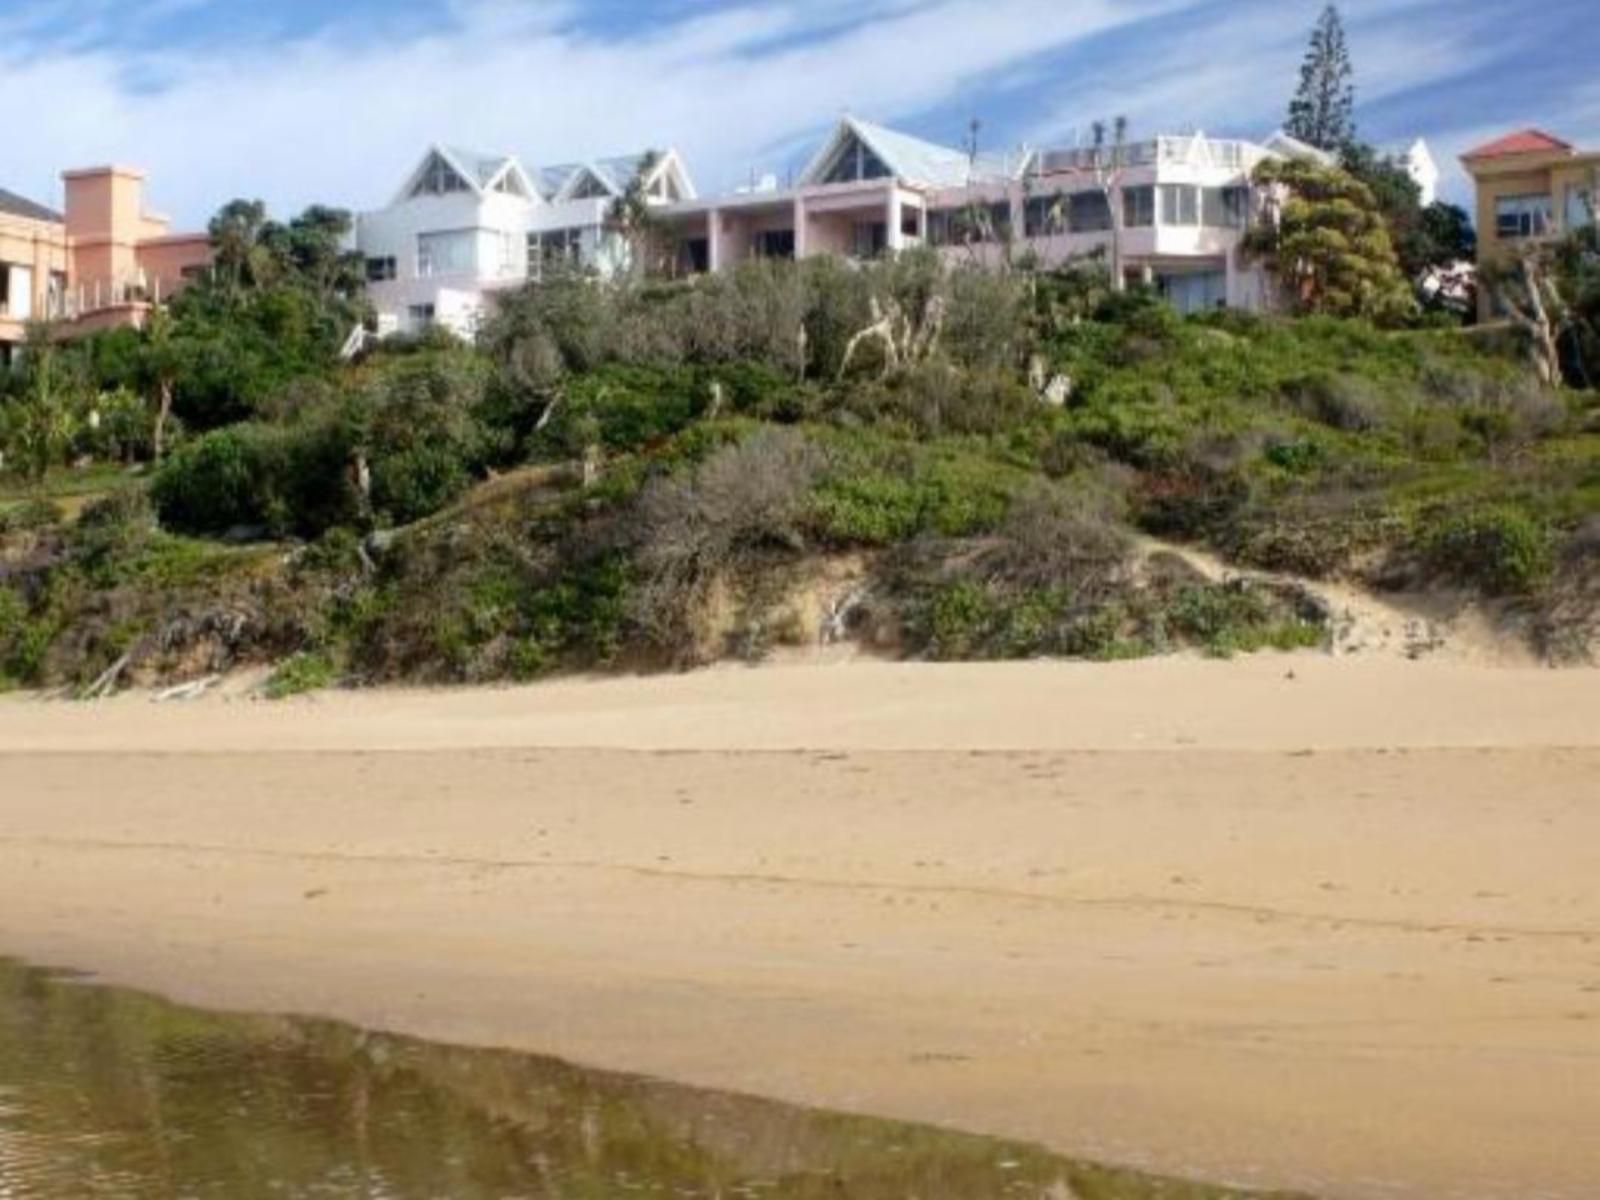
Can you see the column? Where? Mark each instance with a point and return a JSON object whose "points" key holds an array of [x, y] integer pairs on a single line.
{"points": [[894, 241], [714, 240], [800, 230]]}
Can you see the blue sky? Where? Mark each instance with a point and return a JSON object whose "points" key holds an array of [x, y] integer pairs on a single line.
{"points": [[297, 101]]}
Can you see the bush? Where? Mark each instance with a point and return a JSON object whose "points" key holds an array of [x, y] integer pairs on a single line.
{"points": [[1338, 400], [1501, 550], [304, 672], [691, 532], [294, 479]]}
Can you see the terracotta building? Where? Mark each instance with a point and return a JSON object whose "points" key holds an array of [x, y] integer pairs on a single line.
{"points": [[102, 262]]}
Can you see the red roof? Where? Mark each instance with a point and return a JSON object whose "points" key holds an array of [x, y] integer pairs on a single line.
{"points": [[1526, 141]]}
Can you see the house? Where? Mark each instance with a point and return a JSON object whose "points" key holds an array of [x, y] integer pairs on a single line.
{"points": [[1529, 185], [1419, 163], [465, 225], [1184, 203], [102, 262]]}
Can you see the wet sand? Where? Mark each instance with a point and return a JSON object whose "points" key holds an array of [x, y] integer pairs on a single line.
{"points": [[1288, 921]]}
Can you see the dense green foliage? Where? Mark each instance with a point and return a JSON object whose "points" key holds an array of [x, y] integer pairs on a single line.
{"points": [[650, 475]]}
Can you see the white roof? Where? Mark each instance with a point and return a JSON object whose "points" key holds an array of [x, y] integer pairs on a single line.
{"points": [[913, 160]]}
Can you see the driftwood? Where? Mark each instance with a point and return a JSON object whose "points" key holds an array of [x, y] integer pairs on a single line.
{"points": [[106, 683], [188, 691]]}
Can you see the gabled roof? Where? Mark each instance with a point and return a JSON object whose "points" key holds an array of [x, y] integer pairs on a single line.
{"points": [[481, 172], [1524, 141], [20, 206], [615, 174], [911, 159], [481, 169]]}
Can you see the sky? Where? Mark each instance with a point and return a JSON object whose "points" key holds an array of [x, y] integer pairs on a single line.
{"points": [[315, 101]]}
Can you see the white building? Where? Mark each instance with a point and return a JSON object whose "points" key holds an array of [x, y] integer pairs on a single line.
{"points": [[465, 225]]}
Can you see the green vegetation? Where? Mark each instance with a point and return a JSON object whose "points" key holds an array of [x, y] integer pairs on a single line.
{"points": [[647, 475]]}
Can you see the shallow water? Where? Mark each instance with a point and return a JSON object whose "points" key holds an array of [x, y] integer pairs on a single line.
{"points": [[107, 1092]]}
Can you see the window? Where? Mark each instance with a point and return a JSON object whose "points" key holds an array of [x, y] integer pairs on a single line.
{"points": [[1580, 207], [944, 226], [421, 314], [1139, 206], [1044, 216], [16, 291], [1522, 216], [509, 185], [55, 299], [855, 162], [589, 188], [1225, 208], [439, 178], [1180, 204], [381, 269], [869, 239], [999, 221], [453, 253], [1089, 212], [774, 243], [555, 249], [911, 222]]}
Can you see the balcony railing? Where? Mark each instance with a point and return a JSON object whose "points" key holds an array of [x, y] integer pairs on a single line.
{"points": [[1160, 151]]}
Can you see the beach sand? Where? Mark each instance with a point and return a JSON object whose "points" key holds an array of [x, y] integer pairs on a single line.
{"points": [[1287, 921]]}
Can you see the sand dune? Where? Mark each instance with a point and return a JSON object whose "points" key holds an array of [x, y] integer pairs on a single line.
{"points": [[1286, 921]]}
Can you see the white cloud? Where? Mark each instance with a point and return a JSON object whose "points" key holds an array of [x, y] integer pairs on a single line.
{"points": [[326, 119]]}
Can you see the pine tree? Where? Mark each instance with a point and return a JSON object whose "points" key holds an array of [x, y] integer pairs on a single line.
{"points": [[1322, 113]]}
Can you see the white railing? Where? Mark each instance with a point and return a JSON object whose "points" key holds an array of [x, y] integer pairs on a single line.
{"points": [[1188, 151]]}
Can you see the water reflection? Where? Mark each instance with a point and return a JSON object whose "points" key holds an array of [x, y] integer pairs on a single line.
{"points": [[105, 1092]]}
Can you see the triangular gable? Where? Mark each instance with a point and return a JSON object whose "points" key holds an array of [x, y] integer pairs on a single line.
{"points": [[667, 181], [909, 159], [586, 183], [439, 174], [512, 180]]}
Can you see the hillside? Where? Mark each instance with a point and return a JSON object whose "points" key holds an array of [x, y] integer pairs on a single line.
{"points": [[659, 477]]}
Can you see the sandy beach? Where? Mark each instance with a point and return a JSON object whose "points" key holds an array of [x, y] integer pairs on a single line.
{"points": [[1287, 921]]}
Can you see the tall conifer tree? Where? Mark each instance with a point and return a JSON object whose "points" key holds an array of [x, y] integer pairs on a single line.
{"points": [[1322, 112]]}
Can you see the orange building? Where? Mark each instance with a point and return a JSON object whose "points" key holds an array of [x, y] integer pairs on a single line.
{"points": [[102, 263]]}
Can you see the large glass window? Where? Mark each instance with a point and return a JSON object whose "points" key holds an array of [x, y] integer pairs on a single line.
{"points": [[1139, 206], [777, 243], [1580, 207], [855, 162], [452, 253], [381, 269], [1225, 208], [555, 248], [1180, 204], [1089, 212], [439, 178], [1522, 216], [1044, 216]]}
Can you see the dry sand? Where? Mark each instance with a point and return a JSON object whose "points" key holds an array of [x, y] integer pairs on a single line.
{"points": [[1286, 921]]}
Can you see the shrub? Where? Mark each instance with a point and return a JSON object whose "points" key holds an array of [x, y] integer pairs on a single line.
{"points": [[1501, 550], [304, 672], [690, 532], [282, 479], [1338, 400]]}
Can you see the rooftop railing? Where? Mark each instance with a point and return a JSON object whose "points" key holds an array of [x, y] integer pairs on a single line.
{"points": [[1160, 151]]}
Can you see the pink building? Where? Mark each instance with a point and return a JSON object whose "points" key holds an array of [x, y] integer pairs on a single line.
{"points": [[102, 263], [1167, 212]]}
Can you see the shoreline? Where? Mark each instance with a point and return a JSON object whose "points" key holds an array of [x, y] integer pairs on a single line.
{"points": [[1339, 932]]}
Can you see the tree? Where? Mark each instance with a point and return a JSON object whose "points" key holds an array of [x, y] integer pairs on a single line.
{"points": [[1322, 113], [1550, 292], [162, 363], [1438, 235], [1327, 244], [631, 220], [37, 426]]}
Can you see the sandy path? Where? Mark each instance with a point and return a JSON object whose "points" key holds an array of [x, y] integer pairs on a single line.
{"points": [[1339, 931]]}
